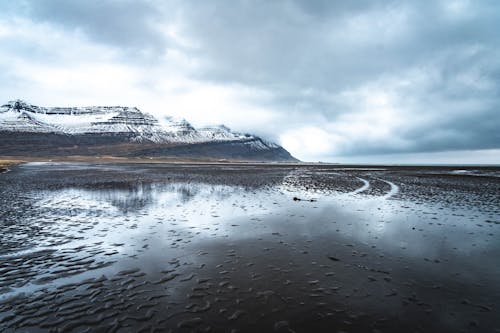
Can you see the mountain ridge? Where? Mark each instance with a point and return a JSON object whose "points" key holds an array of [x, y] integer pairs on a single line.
{"points": [[98, 129]]}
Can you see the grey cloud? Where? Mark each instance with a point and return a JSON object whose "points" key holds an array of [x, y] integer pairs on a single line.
{"points": [[127, 24], [275, 44], [456, 109], [306, 52]]}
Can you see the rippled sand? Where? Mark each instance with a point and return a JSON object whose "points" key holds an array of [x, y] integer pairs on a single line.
{"points": [[159, 248]]}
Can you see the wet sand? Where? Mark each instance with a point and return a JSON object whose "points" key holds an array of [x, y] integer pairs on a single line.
{"points": [[88, 247]]}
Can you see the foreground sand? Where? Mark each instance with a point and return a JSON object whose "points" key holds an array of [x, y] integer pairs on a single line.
{"points": [[168, 247]]}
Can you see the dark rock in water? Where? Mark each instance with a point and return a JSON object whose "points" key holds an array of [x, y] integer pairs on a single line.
{"points": [[299, 199], [333, 258]]}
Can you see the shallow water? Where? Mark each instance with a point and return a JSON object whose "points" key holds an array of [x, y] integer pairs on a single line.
{"points": [[219, 248]]}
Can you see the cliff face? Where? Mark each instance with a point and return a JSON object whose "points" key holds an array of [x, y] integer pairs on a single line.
{"points": [[122, 131]]}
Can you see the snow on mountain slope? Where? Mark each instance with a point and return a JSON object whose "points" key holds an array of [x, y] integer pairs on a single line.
{"points": [[19, 116], [82, 120], [179, 130], [222, 133], [23, 122]]}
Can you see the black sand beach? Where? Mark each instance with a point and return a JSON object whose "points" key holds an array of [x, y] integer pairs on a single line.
{"points": [[88, 247]]}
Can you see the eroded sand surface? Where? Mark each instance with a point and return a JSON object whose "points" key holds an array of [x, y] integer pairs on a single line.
{"points": [[159, 248]]}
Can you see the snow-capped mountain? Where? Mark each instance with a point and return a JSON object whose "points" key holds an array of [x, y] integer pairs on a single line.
{"points": [[104, 125], [20, 116]]}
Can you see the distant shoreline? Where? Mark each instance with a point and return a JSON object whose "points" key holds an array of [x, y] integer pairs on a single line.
{"points": [[7, 161]]}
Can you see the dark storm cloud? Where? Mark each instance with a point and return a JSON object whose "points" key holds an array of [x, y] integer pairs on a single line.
{"points": [[327, 44], [128, 24]]}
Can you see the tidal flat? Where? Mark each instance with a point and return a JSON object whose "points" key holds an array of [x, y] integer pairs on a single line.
{"points": [[88, 247]]}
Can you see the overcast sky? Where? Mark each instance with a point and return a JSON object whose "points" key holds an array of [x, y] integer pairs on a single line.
{"points": [[340, 81]]}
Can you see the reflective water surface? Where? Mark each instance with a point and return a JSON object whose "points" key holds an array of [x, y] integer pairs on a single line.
{"points": [[130, 248]]}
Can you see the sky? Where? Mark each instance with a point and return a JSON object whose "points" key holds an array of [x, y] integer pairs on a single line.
{"points": [[363, 81]]}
